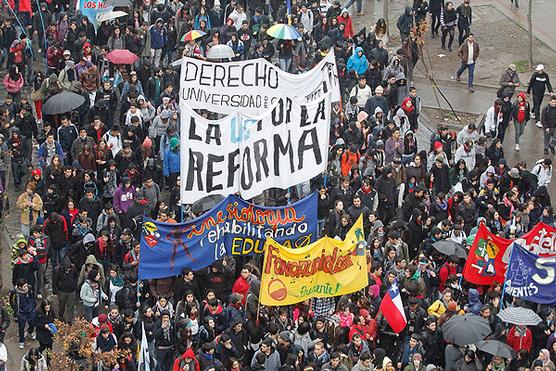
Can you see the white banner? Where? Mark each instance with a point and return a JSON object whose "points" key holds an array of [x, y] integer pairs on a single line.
{"points": [[249, 154], [253, 86]]}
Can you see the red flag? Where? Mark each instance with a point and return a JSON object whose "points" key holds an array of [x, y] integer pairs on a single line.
{"points": [[487, 259], [392, 308], [25, 6]]}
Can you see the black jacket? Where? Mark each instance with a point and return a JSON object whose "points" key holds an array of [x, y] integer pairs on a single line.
{"points": [[65, 277], [538, 83], [548, 117]]}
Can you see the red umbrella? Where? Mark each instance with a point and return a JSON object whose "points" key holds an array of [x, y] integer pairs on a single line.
{"points": [[122, 56]]}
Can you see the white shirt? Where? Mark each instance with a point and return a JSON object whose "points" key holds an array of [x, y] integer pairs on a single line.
{"points": [[470, 53]]}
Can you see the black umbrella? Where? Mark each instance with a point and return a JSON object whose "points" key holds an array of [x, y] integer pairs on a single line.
{"points": [[448, 247], [466, 329], [63, 102], [205, 204], [496, 348]]}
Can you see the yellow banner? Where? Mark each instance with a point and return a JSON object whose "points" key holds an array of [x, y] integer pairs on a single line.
{"points": [[325, 268]]}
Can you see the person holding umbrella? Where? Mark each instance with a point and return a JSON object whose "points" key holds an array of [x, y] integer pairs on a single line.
{"points": [[520, 337]]}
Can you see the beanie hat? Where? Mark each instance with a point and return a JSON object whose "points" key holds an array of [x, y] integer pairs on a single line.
{"points": [[379, 89], [148, 143], [102, 318], [36, 172], [437, 145]]}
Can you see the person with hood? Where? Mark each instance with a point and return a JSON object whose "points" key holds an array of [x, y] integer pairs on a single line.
{"points": [[405, 22], [14, 81], [474, 304], [64, 285], [357, 63], [187, 361], [157, 33], [171, 163], [33, 361], [22, 302], [92, 295], [520, 115], [539, 83], [24, 266]]}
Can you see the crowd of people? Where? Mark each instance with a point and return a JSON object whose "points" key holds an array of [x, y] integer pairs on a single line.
{"points": [[85, 179]]}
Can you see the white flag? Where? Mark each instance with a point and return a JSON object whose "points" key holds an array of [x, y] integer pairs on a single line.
{"points": [[144, 358]]}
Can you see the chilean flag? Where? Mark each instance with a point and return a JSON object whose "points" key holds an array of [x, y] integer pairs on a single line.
{"points": [[392, 308]]}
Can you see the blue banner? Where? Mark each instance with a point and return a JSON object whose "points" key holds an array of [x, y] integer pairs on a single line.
{"points": [[531, 277], [233, 227]]}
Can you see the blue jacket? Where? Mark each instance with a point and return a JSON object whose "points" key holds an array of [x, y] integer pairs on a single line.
{"points": [[358, 63], [171, 163], [158, 37], [43, 152]]}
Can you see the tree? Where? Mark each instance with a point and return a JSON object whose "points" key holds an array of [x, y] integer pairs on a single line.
{"points": [[530, 31], [75, 351]]}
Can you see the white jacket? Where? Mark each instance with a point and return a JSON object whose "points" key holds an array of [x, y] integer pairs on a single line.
{"points": [[492, 120], [544, 175]]}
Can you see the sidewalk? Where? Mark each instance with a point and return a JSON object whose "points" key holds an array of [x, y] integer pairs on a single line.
{"points": [[544, 13]]}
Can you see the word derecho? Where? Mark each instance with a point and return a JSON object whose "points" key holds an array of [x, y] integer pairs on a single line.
{"points": [[253, 86], [248, 155]]}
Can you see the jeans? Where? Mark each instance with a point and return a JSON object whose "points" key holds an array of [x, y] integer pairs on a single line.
{"points": [[285, 63], [445, 32], [471, 69], [359, 5], [519, 129], [548, 138], [157, 56], [18, 171], [90, 312], [66, 304], [22, 320]]}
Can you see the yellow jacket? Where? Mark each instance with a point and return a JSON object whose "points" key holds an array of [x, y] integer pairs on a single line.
{"points": [[36, 208], [437, 308]]}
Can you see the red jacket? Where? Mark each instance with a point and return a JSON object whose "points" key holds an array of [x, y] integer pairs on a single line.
{"points": [[519, 342], [179, 363], [446, 271], [241, 286]]}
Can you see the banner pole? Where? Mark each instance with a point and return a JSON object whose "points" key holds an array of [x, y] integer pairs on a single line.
{"points": [[506, 278]]}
